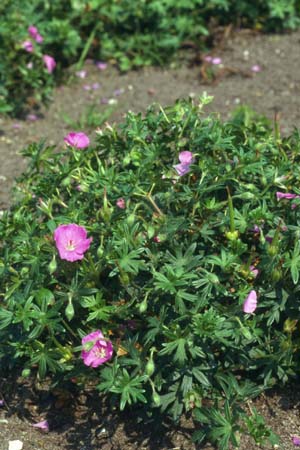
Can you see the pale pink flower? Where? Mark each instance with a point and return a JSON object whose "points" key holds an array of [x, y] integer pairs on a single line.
{"points": [[43, 425], [71, 241], [101, 65], [95, 86], [81, 73], [29, 65], [78, 140], [208, 58], [28, 46], [182, 169], [96, 349], [296, 441], [49, 62], [250, 303], [121, 203], [216, 61], [32, 117], [186, 158], [1, 402], [256, 68]]}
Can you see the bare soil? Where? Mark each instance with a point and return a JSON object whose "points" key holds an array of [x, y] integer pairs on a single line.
{"points": [[82, 420]]}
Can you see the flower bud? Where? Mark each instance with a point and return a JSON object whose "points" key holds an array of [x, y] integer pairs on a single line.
{"points": [[26, 373], [100, 251], [150, 367], [156, 398], [143, 306], [130, 219], [276, 275], [52, 266], [69, 311], [232, 235], [272, 250]]}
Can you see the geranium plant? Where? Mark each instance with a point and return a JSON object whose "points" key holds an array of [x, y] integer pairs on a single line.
{"points": [[176, 290]]}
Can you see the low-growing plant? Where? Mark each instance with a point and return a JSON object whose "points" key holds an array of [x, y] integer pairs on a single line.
{"points": [[161, 263], [129, 33]]}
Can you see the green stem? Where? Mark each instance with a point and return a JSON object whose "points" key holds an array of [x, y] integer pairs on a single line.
{"points": [[86, 48], [231, 211]]}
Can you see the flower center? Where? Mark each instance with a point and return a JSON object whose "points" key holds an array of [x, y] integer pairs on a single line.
{"points": [[70, 245], [100, 352]]}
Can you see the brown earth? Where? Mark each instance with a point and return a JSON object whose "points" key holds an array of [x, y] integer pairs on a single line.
{"points": [[83, 421]]}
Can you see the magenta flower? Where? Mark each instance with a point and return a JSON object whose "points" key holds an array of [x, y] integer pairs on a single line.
{"points": [[296, 441], [43, 425], [71, 241], [121, 203], [287, 195], [250, 303], [77, 140], [27, 45], [96, 349], [34, 33], [49, 62]]}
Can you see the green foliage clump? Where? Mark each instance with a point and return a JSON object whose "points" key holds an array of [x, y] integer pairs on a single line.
{"points": [[131, 33], [165, 278]]}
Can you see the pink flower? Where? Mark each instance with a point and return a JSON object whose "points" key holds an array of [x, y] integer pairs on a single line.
{"points": [[96, 349], [29, 65], [77, 140], [49, 62], [182, 169], [287, 195], [254, 271], [186, 158], [101, 65], [250, 303], [43, 425], [207, 58], [34, 33], [32, 117], [27, 45], [156, 239], [71, 241], [216, 61], [121, 203], [296, 441], [256, 68]]}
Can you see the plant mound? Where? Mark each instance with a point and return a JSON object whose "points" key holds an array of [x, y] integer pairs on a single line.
{"points": [[129, 33], [163, 262]]}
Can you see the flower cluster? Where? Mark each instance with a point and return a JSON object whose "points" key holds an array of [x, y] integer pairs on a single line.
{"points": [[28, 46]]}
